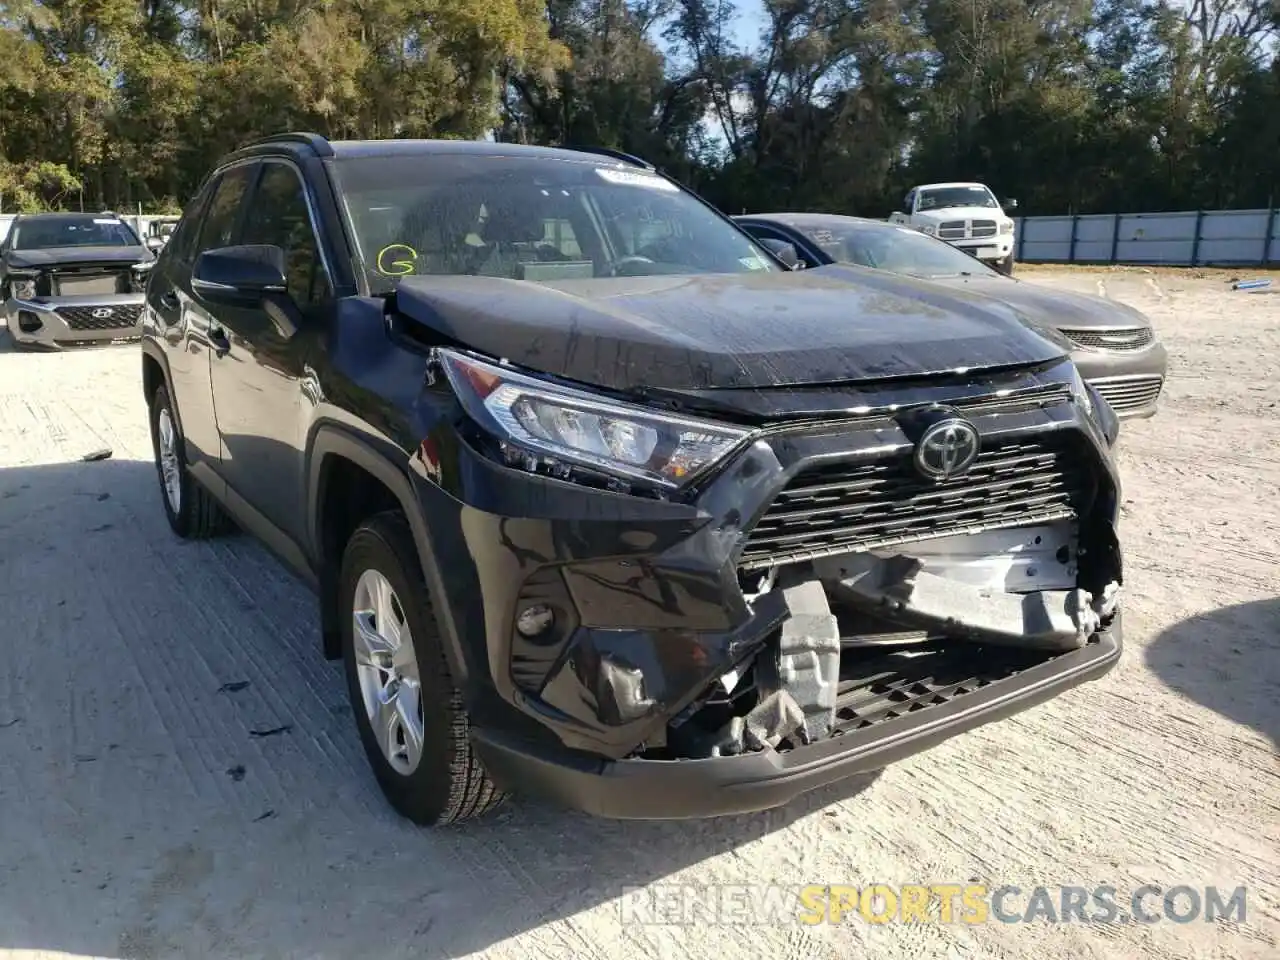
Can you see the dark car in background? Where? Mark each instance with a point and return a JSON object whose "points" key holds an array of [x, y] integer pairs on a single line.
{"points": [[1112, 344], [68, 278]]}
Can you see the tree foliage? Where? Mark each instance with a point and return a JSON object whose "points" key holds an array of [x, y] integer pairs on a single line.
{"points": [[836, 105]]}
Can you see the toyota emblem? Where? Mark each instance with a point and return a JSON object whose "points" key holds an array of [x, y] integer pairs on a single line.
{"points": [[101, 313], [947, 449]]}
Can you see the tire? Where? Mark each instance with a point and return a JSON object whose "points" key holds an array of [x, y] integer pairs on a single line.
{"points": [[195, 515], [447, 783], [1005, 266]]}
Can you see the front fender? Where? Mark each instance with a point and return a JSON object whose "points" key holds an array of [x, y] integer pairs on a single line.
{"points": [[388, 463]]}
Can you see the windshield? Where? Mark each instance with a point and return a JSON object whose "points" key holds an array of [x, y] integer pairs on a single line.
{"points": [[943, 197], [897, 249], [535, 219], [41, 233]]}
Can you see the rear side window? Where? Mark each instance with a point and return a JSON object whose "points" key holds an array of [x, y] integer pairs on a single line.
{"points": [[223, 212], [278, 215]]}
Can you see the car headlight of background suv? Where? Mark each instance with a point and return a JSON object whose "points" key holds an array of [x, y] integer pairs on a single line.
{"points": [[1006, 226], [22, 289], [928, 229], [543, 427]]}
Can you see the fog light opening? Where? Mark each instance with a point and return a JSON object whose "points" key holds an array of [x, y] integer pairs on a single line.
{"points": [[535, 620], [28, 322]]}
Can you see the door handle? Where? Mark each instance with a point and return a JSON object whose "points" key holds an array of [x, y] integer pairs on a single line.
{"points": [[218, 340]]}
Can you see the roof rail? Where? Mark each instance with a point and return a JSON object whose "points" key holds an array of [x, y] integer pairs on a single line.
{"points": [[616, 154], [316, 142]]}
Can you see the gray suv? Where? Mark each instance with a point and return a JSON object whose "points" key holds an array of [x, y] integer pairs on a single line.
{"points": [[70, 278]]}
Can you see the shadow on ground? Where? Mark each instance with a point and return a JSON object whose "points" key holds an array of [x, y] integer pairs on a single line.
{"points": [[182, 776], [1227, 660]]}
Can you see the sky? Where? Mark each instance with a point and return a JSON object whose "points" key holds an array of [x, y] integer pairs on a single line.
{"points": [[748, 22]]}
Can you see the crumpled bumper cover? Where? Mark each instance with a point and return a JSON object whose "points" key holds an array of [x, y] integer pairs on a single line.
{"points": [[687, 789]]}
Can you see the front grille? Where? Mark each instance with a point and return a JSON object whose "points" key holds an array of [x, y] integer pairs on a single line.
{"points": [[82, 318], [1129, 393], [876, 686], [964, 229], [1134, 338], [862, 505]]}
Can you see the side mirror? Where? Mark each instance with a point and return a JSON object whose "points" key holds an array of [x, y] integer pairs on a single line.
{"points": [[784, 251], [239, 276], [1011, 204], [154, 243]]}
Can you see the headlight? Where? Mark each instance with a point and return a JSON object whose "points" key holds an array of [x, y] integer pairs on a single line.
{"points": [[1080, 393], [546, 427], [140, 273], [928, 229], [1006, 226], [23, 289]]}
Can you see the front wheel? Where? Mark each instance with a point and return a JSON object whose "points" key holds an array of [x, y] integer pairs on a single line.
{"points": [[410, 715], [192, 512], [1005, 266]]}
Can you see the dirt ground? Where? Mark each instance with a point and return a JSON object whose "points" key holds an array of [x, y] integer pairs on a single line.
{"points": [[148, 809]]}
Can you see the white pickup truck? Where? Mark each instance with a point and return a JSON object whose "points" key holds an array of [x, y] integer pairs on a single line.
{"points": [[965, 215]]}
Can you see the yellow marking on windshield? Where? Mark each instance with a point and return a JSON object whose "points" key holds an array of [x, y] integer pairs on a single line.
{"points": [[395, 268]]}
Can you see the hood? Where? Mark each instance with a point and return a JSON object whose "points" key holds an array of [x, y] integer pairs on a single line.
{"points": [[76, 256], [1060, 309], [725, 331], [959, 213]]}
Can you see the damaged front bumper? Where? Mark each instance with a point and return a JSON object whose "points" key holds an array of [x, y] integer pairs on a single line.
{"points": [[818, 609], [885, 726]]}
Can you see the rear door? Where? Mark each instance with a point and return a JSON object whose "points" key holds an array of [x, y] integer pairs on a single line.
{"points": [[262, 416], [185, 321]]}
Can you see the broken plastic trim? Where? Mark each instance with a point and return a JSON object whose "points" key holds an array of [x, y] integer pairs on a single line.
{"points": [[1014, 590]]}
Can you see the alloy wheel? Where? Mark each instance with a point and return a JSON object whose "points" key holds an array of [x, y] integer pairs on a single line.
{"points": [[388, 671], [170, 472]]}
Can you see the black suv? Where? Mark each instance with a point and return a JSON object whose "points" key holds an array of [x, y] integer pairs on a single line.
{"points": [[603, 502]]}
